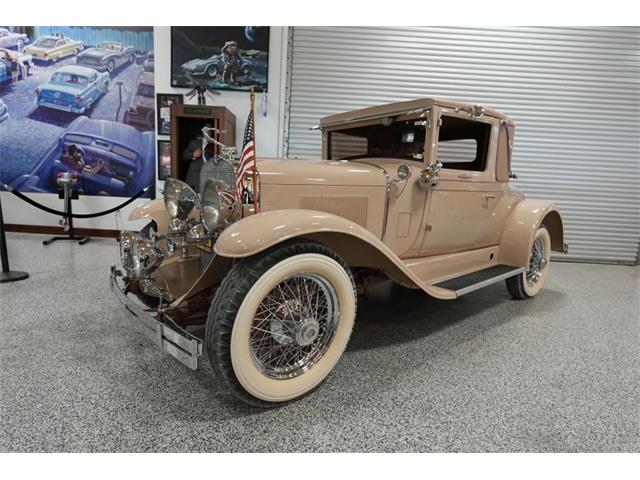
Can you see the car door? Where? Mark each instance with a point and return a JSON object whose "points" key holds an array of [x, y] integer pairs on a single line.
{"points": [[464, 208]]}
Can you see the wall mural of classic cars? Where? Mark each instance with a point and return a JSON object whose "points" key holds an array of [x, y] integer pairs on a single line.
{"points": [[80, 100], [225, 58]]}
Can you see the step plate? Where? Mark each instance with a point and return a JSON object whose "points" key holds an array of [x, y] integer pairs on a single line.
{"points": [[473, 281]]}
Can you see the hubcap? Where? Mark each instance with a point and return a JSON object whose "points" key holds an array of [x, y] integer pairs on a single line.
{"points": [[294, 326], [537, 262]]}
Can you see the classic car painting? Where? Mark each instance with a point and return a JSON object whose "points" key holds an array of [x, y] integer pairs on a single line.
{"points": [[4, 112], [227, 58], [72, 89], [141, 113], [116, 160], [107, 56], [52, 48], [415, 192], [11, 39]]}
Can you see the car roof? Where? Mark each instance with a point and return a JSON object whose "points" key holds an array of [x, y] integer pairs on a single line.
{"points": [[76, 70], [50, 37], [400, 108]]}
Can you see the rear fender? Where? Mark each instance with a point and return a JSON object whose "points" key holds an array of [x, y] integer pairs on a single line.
{"points": [[522, 223]]}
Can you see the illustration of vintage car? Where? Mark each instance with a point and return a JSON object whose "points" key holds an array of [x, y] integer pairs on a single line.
{"points": [[141, 113], [11, 39], [417, 192], [107, 56], [52, 48], [6, 58], [116, 160], [4, 112], [72, 89], [211, 67], [149, 63]]}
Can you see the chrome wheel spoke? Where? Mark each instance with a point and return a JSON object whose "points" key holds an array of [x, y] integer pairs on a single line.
{"points": [[294, 325]]}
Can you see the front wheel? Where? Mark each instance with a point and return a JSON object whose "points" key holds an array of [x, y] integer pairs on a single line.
{"points": [[529, 283], [280, 322]]}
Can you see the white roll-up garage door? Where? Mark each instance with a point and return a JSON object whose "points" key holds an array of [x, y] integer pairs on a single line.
{"points": [[573, 93]]}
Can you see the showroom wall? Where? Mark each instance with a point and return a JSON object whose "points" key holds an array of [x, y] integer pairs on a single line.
{"points": [[268, 135]]}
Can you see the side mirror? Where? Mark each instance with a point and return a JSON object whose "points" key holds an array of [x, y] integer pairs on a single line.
{"points": [[430, 175]]}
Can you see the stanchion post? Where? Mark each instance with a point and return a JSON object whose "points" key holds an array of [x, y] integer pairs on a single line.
{"points": [[7, 275]]}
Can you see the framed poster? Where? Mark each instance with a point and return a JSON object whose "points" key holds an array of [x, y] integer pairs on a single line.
{"points": [[79, 88], [225, 58], [165, 100], [164, 159]]}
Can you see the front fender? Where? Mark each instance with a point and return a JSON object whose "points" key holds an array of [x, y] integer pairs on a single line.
{"points": [[154, 210], [354, 243], [521, 225]]}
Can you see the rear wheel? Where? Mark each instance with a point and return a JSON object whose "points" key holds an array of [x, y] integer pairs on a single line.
{"points": [[280, 322], [111, 66], [212, 71], [529, 283]]}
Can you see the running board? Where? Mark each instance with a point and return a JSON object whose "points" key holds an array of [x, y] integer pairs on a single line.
{"points": [[473, 281]]}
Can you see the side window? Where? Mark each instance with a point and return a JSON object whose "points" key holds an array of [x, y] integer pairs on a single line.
{"points": [[463, 144]]}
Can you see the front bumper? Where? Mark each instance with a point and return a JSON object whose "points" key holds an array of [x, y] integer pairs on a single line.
{"points": [[161, 330]]}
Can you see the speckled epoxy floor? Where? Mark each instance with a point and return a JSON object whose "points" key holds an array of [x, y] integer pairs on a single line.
{"points": [[483, 373]]}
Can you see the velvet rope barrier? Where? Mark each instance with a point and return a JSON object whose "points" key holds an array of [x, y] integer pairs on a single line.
{"points": [[74, 215]]}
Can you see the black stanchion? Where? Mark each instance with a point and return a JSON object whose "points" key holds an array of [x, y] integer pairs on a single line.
{"points": [[7, 275], [68, 194]]}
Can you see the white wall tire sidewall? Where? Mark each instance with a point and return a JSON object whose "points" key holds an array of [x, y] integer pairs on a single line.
{"points": [[532, 290], [247, 373]]}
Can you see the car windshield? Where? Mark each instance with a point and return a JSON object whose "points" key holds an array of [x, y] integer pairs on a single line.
{"points": [[390, 139], [145, 90], [45, 42], [68, 78]]}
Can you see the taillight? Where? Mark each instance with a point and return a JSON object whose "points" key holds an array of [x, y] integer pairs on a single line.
{"points": [[37, 91], [78, 99]]}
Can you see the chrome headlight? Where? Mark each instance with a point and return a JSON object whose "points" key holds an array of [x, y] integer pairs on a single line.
{"points": [[219, 205], [179, 198], [145, 257]]}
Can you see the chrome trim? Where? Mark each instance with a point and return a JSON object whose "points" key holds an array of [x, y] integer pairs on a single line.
{"points": [[166, 334], [489, 281]]}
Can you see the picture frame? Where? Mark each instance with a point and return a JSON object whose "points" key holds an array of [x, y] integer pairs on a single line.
{"points": [[221, 57], [163, 108], [164, 160]]}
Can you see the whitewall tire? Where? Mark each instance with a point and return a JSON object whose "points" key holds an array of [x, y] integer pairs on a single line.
{"points": [[529, 283]]}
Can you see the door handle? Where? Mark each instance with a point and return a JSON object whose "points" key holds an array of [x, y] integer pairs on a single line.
{"points": [[487, 196]]}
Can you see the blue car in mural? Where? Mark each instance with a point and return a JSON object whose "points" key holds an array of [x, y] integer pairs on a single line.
{"points": [[110, 158], [107, 56], [4, 113], [72, 89]]}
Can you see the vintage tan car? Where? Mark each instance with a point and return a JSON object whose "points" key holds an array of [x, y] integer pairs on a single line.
{"points": [[417, 192]]}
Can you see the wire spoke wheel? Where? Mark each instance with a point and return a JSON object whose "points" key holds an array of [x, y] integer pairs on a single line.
{"points": [[537, 262], [294, 325]]}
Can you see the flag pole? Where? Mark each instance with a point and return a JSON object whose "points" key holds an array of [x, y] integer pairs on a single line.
{"points": [[256, 193]]}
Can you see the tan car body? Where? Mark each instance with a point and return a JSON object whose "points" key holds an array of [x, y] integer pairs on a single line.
{"points": [[362, 210]]}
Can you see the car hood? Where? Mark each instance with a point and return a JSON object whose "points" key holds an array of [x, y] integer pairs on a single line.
{"points": [[197, 62], [275, 171]]}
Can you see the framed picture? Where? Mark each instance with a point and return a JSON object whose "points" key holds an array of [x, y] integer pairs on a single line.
{"points": [[165, 100], [225, 58], [164, 159]]}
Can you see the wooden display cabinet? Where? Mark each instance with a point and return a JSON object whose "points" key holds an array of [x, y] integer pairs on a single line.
{"points": [[187, 122]]}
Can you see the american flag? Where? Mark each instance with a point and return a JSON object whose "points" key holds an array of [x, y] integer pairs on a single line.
{"points": [[248, 156]]}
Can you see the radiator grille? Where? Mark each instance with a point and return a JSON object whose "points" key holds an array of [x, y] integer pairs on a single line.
{"points": [[353, 208]]}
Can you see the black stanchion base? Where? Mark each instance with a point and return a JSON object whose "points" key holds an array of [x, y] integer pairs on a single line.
{"points": [[81, 240], [6, 277]]}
